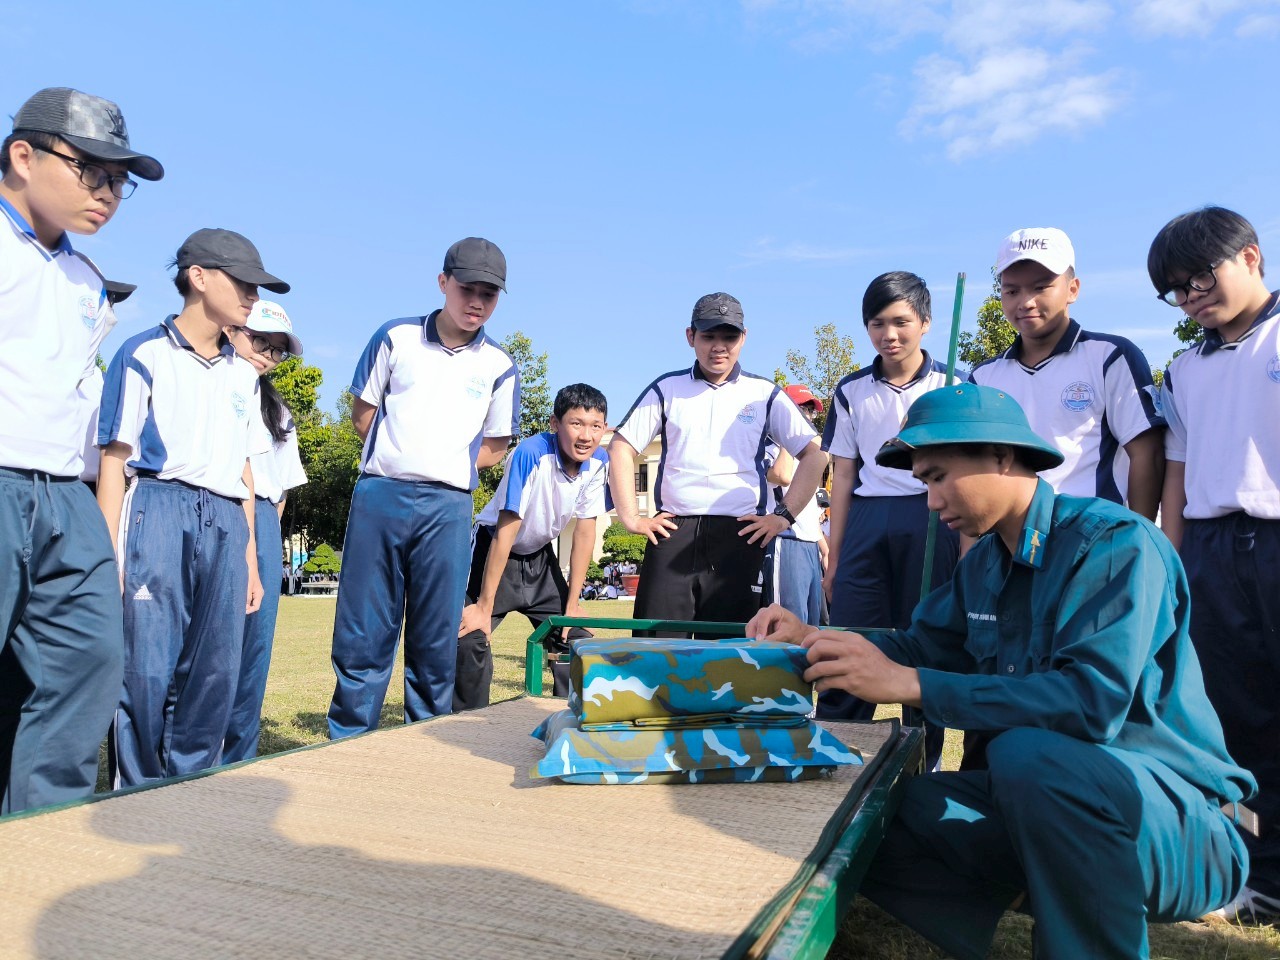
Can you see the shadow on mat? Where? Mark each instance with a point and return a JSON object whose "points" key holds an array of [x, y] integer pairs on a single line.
{"points": [[236, 887]]}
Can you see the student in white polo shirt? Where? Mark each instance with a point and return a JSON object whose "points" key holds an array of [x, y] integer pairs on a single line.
{"points": [[1222, 501], [706, 542], [435, 400], [550, 480], [65, 169], [180, 418], [1091, 393], [794, 563], [90, 391], [879, 516], [265, 341]]}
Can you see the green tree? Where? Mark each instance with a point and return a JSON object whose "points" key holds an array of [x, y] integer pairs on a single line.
{"points": [[323, 560], [994, 336], [619, 546], [535, 394], [832, 362], [535, 409], [330, 450], [299, 386]]}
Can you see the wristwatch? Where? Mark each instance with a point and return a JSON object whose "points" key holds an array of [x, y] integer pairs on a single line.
{"points": [[785, 514]]}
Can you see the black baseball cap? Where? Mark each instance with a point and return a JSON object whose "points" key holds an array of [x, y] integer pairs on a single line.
{"points": [[118, 291], [717, 310], [476, 260], [231, 253], [90, 124]]}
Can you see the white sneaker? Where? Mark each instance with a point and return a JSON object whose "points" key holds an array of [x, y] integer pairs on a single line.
{"points": [[1249, 909]]}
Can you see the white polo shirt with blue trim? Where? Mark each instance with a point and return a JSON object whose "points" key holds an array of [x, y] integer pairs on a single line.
{"points": [[435, 405], [536, 487], [1088, 398], [280, 469], [54, 315], [713, 439], [184, 417], [1221, 401], [866, 412]]}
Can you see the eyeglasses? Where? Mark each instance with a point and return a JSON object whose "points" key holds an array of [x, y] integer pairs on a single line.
{"points": [[1202, 282], [95, 177], [263, 345]]}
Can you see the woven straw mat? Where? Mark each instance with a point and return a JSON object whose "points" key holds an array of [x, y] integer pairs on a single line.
{"points": [[425, 841]]}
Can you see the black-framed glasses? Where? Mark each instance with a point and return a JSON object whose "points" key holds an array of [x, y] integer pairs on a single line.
{"points": [[264, 347], [95, 177], [1202, 282]]}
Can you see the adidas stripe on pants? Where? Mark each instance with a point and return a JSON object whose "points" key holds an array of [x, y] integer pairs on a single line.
{"points": [[185, 584]]}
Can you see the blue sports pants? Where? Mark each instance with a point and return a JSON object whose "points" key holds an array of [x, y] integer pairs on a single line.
{"points": [[185, 586], [241, 741], [1233, 566], [793, 577], [60, 659], [405, 560], [1100, 840]]}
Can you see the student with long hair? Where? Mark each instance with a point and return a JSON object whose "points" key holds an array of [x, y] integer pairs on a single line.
{"points": [[266, 341]]}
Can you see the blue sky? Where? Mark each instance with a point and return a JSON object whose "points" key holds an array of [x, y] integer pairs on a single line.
{"points": [[631, 156]]}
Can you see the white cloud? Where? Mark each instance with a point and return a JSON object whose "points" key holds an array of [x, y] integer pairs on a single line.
{"points": [[979, 26], [1007, 100], [1183, 17], [1259, 26]]}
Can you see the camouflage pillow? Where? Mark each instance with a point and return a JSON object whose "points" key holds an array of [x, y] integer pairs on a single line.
{"points": [[639, 682], [714, 754]]}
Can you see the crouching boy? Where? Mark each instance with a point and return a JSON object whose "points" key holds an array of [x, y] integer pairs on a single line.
{"points": [[551, 480]]}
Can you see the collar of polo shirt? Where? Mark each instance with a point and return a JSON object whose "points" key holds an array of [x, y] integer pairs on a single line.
{"points": [[695, 373], [225, 350], [1213, 339], [877, 368], [1064, 344], [20, 224], [431, 335]]}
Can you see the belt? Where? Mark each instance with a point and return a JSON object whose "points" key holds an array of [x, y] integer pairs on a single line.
{"points": [[1242, 817]]}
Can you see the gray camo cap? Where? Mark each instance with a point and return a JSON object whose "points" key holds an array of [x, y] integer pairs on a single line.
{"points": [[90, 124]]}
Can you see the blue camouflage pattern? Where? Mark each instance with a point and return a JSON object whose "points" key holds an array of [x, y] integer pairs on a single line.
{"points": [[633, 682], [711, 754]]}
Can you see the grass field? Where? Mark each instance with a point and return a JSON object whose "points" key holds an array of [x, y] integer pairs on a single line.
{"points": [[301, 683]]}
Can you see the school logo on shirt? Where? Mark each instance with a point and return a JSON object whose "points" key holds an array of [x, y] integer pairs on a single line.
{"points": [[748, 414], [475, 388], [1077, 396], [239, 405], [88, 311], [1273, 369]]}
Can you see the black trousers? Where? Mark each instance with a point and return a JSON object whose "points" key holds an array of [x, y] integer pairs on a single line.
{"points": [[1233, 567], [703, 571], [532, 585]]}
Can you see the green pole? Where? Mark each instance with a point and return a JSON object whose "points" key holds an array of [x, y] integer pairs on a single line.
{"points": [[932, 534]]}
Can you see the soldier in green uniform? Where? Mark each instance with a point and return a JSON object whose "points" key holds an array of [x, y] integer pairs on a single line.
{"points": [[1109, 796]]}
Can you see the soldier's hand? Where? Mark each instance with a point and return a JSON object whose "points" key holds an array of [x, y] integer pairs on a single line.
{"points": [[776, 622], [850, 662]]}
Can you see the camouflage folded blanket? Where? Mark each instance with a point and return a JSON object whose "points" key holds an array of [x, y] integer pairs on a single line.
{"points": [[630, 682], [713, 754]]}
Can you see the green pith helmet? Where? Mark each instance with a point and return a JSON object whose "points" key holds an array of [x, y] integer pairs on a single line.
{"points": [[966, 413]]}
